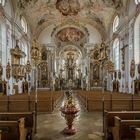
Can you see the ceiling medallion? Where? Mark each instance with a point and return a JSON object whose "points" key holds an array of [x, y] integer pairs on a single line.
{"points": [[68, 7]]}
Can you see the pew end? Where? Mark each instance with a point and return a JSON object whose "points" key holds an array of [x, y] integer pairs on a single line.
{"points": [[137, 133]]}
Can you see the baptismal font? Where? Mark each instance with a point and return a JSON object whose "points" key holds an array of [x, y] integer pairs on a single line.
{"points": [[69, 112]]}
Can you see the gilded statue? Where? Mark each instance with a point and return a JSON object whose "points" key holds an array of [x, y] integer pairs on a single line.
{"points": [[1, 86], [25, 86]]}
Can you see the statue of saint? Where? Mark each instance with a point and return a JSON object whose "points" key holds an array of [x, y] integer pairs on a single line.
{"points": [[20, 87], [4, 87], [1, 85], [25, 86]]}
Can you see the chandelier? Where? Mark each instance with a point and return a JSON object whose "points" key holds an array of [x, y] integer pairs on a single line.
{"points": [[68, 7]]}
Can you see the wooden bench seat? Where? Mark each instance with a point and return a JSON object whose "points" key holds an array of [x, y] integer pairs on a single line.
{"points": [[18, 103], [24, 102], [93, 101], [109, 121], [137, 133], [14, 116], [13, 130], [3, 103], [125, 129]]}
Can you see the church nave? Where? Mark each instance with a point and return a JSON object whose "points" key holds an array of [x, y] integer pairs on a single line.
{"points": [[49, 48]]}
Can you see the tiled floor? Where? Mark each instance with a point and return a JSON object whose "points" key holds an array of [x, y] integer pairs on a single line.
{"points": [[89, 126]]}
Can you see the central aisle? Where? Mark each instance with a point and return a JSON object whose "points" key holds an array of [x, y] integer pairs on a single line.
{"points": [[51, 125]]}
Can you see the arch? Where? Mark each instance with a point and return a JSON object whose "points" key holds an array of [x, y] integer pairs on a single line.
{"points": [[68, 47], [60, 29], [100, 28]]}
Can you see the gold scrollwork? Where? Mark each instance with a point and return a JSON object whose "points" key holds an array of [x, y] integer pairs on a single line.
{"points": [[8, 70]]}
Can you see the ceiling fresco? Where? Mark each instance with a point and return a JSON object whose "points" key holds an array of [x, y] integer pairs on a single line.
{"points": [[68, 7], [70, 34], [42, 13]]}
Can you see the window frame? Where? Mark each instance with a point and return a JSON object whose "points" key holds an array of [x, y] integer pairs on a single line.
{"points": [[0, 42], [116, 53], [24, 24], [2, 2], [137, 40], [116, 22], [137, 2]]}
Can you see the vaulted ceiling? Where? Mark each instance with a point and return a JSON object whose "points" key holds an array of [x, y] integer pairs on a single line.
{"points": [[43, 13]]}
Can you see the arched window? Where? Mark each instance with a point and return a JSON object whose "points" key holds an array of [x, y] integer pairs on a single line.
{"points": [[137, 1], [115, 23], [116, 53], [24, 24], [2, 2], [0, 44], [137, 40]]}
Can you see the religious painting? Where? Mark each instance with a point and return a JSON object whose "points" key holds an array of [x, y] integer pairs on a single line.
{"points": [[68, 7], [43, 76], [96, 72], [96, 55], [44, 55], [70, 34]]}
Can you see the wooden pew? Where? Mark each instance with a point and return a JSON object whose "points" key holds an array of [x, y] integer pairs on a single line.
{"points": [[109, 122], [14, 116], [57, 96], [121, 102], [136, 102], [46, 102], [13, 130], [3, 103], [93, 101], [137, 133], [125, 129], [0, 134], [18, 103]]}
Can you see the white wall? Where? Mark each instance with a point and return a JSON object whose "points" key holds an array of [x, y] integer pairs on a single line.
{"points": [[94, 35], [45, 35]]}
